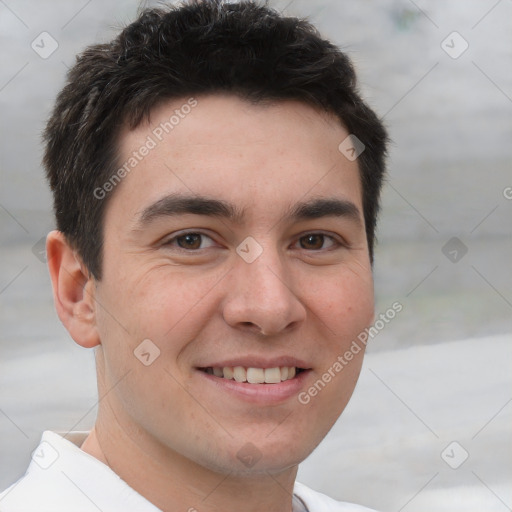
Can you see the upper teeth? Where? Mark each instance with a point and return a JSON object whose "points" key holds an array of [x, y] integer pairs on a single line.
{"points": [[254, 375]]}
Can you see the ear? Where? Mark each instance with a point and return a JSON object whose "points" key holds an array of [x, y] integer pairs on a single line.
{"points": [[73, 290]]}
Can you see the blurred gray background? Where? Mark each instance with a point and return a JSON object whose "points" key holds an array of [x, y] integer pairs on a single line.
{"points": [[440, 74]]}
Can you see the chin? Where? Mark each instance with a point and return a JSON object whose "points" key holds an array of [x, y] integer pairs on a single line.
{"points": [[250, 458], [274, 456]]}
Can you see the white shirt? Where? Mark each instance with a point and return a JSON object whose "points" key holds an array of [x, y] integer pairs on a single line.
{"points": [[63, 478]]}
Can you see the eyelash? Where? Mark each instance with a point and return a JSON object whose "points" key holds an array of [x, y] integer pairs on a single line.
{"points": [[336, 243]]}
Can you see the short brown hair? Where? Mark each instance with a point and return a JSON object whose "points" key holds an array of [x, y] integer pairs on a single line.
{"points": [[197, 48]]}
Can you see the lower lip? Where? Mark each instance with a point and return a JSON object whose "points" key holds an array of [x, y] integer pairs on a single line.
{"points": [[259, 393]]}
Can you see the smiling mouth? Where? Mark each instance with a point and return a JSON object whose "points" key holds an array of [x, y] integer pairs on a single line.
{"points": [[255, 375]]}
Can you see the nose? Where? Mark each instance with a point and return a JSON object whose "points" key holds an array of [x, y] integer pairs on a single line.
{"points": [[262, 297]]}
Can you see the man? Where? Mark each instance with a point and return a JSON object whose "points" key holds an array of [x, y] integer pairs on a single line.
{"points": [[216, 179]]}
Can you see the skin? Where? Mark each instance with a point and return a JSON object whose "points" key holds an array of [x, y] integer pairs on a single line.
{"points": [[167, 432]]}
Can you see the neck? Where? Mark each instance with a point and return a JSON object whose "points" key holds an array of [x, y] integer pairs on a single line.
{"points": [[172, 482]]}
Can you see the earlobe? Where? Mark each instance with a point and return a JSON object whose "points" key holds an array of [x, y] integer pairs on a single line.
{"points": [[73, 290]]}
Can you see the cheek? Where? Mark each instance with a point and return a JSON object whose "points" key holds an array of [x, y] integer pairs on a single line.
{"points": [[160, 302], [345, 304], [167, 307]]}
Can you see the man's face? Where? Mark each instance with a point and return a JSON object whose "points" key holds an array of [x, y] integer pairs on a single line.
{"points": [[237, 241]]}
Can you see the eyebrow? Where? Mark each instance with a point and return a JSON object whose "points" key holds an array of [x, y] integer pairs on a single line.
{"points": [[328, 207], [177, 204]]}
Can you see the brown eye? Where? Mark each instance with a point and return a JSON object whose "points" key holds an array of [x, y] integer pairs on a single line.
{"points": [[189, 241], [312, 242]]}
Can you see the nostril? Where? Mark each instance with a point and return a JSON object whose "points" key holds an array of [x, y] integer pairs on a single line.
{"points": [[251, 326]]}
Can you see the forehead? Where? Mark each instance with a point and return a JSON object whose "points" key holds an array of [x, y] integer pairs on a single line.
{"points": [[260, 155]]}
